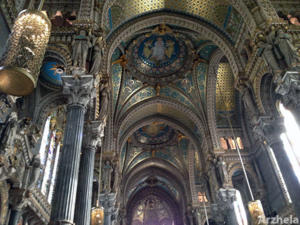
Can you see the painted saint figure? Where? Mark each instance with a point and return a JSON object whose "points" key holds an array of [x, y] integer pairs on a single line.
{"points": [[158, 51]]}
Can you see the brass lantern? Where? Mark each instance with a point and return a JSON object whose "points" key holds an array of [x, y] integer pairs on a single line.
{"points": [[97, 216], [257, 212], [25, 49]]}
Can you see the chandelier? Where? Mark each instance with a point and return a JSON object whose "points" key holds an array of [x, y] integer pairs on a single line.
{"points": [[25, 49]]}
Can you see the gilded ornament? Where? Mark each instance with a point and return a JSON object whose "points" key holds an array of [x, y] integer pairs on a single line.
{"points": [[26, 46]]}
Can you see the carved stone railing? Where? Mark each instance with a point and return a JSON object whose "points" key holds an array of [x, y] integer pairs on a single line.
{"points": [[39, 204]]}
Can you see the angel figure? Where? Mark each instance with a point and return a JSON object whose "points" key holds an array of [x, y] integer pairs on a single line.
{"points": [[97, 55]]}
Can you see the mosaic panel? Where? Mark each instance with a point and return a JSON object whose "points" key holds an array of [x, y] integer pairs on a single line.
{"points": [[218, 12], [176, 95], [225, 100], [116, 80], [186, 85], [144, 155], [183, 147], [142, 95], [159, 58], [206, 52], [226, 97], [201, 79]]}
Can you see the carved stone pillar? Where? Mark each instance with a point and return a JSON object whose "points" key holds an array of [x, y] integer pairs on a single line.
{"points": [[108, 203], [227, 198], [84, 193], [272, 130], [79, 90]]}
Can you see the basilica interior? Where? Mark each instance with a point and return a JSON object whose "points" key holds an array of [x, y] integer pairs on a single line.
{"points": [[149, 112]]}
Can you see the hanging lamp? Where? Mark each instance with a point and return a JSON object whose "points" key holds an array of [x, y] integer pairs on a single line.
{"points": [[97, 215], [25, 49], [255, 207]]}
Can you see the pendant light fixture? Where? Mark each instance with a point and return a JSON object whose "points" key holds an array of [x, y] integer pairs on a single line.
{"points": [[25, 50]]}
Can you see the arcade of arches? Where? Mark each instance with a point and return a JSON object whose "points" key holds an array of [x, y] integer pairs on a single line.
{"points": [[161, 112]]}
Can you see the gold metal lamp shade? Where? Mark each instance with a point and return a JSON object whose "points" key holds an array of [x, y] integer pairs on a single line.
{"points": [[257, 213], [97, 216], [25, 49]]}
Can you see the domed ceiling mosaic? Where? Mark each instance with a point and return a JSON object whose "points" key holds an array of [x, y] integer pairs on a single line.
{"points": [[159, 58]]}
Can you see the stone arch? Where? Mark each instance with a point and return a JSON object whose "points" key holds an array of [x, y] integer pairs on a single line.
{"points": [[267, 94], [160, 167], [130, 114], [209, 32], [46, 105], [177, 125], [211, 95], [250, 172], [177, 211]]}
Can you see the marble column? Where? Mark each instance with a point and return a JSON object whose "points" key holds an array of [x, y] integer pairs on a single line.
{"points": [[92, 138], [292, 183], [108, 201], [79, 90], [15, 215], [227, 199], [272, 129]]}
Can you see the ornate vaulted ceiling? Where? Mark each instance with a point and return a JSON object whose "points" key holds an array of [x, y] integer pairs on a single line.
{"points": [[216, 12]]}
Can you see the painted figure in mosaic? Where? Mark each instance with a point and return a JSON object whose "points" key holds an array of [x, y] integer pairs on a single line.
{"points": [[97, 56], [106, 176], [286, 49], [158, 51], [81, 45]]}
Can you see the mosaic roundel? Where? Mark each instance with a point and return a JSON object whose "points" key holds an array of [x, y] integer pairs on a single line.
{"points": [[51, 72], [158, 57]]}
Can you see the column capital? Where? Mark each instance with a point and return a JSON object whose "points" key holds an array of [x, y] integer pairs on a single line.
{"points": [[94, 131], [226, 196], [79, 89], [108, 201], [288, 88], [269, 129]]}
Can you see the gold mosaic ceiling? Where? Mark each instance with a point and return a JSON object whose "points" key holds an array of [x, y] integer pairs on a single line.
{"points": [[214, 11], [225, 100]]}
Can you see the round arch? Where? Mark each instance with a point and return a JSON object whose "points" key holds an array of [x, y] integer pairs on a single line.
{"points": [[177, 211]]}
